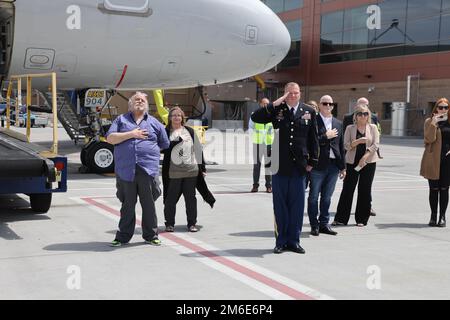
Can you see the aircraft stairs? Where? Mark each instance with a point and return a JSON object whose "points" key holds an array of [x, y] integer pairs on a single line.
{"points": [[67, 115], [3, 52]]}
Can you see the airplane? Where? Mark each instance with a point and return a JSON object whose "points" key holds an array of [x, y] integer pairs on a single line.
{"points": [[139, 44]]}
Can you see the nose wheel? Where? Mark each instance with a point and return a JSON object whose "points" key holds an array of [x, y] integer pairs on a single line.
{"points": [[98, 157]]}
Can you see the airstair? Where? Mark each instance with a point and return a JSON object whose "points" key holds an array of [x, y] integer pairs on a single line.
{"points": [[67, 115], [3, 50]]}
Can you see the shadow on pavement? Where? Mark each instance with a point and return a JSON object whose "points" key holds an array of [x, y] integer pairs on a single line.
{"points": [[264, 234], [15, 209], [402, 225], [89, 246]]}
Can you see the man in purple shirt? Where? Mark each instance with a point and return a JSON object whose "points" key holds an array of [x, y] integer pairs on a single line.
{"points": [[138, 139]]}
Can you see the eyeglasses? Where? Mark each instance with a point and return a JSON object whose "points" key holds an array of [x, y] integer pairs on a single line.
{"points": [[442, 107], [360, 114], [327, 104]]}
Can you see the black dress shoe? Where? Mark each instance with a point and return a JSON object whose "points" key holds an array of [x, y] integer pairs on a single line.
{"points": [[327, 230], [278, 250], [297, 249], [314, 232]]}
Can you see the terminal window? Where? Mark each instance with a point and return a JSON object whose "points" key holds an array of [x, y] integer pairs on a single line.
{"points": [[407, 27]]}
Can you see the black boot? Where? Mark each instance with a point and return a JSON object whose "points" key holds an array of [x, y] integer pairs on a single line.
{"points": [[433, 220], [441, 222]]}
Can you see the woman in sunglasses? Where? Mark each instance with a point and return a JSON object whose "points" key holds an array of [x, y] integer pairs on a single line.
{"points": [[361, 140], [435, 165]]}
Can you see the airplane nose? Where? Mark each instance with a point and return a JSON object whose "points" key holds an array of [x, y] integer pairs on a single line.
{"points": [[271, 41], [281, 43], [244, 38]]}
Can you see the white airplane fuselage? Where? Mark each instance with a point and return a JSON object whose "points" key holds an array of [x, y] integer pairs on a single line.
{"points": [[145, 44]]}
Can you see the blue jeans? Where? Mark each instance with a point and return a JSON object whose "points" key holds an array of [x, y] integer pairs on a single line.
{"points": [[323, 182]]}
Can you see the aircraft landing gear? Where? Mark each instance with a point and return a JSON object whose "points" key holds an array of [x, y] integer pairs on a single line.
{"points": [[97, 157]]}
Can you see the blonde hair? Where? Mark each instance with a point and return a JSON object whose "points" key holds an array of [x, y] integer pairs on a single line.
{"points": [[362, 108], [313, 104]]}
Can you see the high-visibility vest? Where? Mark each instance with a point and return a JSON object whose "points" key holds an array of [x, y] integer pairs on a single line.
{"points": [[263, 134]]}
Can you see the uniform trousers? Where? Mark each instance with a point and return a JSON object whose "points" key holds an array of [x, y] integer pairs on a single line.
{"points": [[288, 204]]}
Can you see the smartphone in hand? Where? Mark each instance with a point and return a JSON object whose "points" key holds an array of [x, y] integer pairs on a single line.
{"points": [[358, 168]]}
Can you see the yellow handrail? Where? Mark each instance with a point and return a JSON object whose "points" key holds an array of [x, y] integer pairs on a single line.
{"points": [[29, 77], [159, 101]]}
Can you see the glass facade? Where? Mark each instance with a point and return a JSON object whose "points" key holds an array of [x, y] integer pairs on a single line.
{"points": [[293, 56], [407, 27], [278, 6]]}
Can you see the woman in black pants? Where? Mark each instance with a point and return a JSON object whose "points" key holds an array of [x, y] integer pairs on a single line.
{"points": [[361, 140], [183, 161], [435, 165]]}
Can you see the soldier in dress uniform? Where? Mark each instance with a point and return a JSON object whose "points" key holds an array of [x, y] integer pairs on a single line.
{"points": [[294, 153]]}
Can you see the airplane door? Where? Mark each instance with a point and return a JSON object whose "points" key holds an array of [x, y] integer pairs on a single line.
{"points": [[130, 7]]}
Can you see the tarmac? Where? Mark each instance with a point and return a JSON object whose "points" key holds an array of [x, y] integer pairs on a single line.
{"points": [[64, 254]]}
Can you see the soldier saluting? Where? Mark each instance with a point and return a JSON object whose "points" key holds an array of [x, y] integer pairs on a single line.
{"points": [[295, 152]]}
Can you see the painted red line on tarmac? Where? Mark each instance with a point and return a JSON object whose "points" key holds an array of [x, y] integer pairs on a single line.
{"points": [[239, 268], [220, 259], [101, 206]]}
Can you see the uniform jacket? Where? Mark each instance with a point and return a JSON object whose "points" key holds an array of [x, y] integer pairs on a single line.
{"points": [[431, 159], [295, 139], [335, 144], [372, 144]]}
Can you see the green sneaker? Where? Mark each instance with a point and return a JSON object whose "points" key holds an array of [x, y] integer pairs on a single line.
{"points": [[115, 243], [154, 242]]}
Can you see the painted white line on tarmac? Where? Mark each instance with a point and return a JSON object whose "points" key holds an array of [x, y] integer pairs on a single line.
{"points": [[96, 209], [82, 189], [268, 273], [265, 281], [111, 183], [400, 174]]}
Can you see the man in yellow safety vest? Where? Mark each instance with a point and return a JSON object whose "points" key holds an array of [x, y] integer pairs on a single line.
{"points": [[262, 136]]}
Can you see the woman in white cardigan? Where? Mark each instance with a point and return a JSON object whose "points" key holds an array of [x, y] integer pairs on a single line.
{"points": [[361, 140]]}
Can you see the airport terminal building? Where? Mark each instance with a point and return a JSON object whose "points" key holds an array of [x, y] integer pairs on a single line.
{"points": [[387, 50]]}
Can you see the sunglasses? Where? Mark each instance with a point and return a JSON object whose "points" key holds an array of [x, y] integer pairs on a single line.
{"points": [[360, 114], [327, 104], [442, 107]]}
